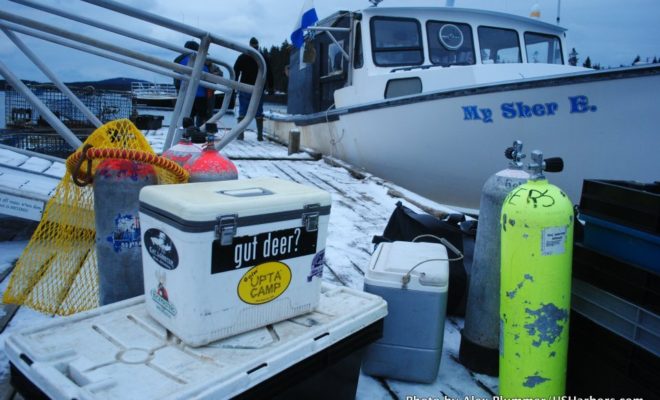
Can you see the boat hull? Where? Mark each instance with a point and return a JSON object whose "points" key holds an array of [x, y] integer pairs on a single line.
{"points": [[159, 102], [445, 145]]}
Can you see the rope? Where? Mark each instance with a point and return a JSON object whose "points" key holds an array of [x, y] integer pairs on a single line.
{"points": [[88, 153], [78, 178]]}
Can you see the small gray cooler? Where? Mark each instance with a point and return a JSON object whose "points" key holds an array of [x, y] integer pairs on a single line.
{"points": [[411, 346]]}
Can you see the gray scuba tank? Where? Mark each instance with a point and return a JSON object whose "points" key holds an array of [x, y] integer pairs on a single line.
{"points": [[480, 334], [117, 185]]}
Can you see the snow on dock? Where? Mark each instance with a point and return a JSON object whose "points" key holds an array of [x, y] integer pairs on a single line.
{"points": [[361, 207]]}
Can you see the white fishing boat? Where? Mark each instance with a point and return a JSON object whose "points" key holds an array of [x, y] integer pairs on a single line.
{"points": [[422, 96], [154, 94]]}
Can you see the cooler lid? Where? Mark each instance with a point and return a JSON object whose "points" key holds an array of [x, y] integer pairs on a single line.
{"points": [[425, 262], [204, 202]]}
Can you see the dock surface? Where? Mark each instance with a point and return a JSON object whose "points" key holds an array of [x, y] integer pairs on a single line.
{"points": [[361, 207]]}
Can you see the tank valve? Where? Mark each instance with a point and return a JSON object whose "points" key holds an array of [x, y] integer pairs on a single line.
{"points": [[515, 154], [538, 165]]}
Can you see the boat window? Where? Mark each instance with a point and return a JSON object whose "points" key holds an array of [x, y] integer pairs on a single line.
{"points": [[499, 45], [335, 58], [403, 87], [542, 48], [450, 43], [358, 60], [396, 41]]}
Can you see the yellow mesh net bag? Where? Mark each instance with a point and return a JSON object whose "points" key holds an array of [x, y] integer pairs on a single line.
{"points": [[57, 272]]}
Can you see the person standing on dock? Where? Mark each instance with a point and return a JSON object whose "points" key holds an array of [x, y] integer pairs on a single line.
{"points": [[199, 112], [246, 70]]}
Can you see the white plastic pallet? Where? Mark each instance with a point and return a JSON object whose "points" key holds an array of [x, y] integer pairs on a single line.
{"points": [[119, 352]]}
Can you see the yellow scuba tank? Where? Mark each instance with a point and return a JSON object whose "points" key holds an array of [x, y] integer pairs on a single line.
{"points": [[536, 256]]}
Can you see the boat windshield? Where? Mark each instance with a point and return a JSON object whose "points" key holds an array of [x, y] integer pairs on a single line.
{"points": [[499, 45], [399, 42], [450, 43], [396, 41], [541, 48]]}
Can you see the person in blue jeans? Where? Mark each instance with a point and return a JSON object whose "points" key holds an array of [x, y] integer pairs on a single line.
{"points": [[246, 70], [199, 112]]}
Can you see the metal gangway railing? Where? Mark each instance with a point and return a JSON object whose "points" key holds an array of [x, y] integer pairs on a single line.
{"points": [[190, 75]]}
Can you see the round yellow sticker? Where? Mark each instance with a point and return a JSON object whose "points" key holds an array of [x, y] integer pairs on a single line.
{"points": [[264, 282]]}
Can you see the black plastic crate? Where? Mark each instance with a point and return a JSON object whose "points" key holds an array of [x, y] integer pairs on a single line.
{"points": [[632, 245], [603, 364], [332, 373], [147, 122], [628, 320], [627, 281], [633, 204]]}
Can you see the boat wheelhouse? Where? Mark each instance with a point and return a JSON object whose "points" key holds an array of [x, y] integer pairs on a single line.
{"points": [[382, 53]]}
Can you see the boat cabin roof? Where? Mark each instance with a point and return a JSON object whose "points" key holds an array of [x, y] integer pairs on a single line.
{"points": [[468, 15]]}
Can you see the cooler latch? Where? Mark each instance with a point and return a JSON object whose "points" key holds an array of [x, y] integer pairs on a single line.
{"points": [[310, 217], [225, 229]]}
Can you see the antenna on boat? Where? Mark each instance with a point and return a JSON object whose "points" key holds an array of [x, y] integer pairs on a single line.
{"points": [[375, 2], [558, 9]]}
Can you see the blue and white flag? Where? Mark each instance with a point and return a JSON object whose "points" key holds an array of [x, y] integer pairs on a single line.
{"points": [[306, 18]]}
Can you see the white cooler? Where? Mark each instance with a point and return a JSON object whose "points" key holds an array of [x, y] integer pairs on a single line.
{"points": [[413, 331], [220, 258]]}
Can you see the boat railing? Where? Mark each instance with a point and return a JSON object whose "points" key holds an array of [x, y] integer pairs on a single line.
{"points": [[191, 76]]}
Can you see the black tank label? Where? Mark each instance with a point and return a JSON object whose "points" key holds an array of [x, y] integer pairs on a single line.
{"points": [[161, 248]]}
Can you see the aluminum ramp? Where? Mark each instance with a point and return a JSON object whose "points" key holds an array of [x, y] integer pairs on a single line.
{"points": [[27, 181]]}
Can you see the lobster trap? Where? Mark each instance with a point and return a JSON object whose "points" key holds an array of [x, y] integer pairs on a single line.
{"points": [[107, 105], [43, 141]]}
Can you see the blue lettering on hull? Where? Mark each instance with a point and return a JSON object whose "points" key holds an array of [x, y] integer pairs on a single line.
{"points": [[521, 110], [580, 104], [475, 113]]}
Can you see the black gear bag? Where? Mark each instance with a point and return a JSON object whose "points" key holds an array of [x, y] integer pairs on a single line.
{"points": [[405, 225]]}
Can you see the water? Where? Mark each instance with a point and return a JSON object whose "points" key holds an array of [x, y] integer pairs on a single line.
{"points": [[227, 121]]}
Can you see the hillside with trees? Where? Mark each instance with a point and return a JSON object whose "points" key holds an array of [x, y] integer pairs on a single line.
{"points": [[573, 59], [278, 58]]}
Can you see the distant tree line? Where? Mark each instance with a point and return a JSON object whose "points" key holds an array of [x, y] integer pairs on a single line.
{"points": [[573, 60], [278, 58]]}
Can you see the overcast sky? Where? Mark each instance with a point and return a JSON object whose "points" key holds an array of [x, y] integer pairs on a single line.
{"points": [[610, 32]]}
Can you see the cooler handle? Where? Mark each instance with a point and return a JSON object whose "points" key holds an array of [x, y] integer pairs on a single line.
{"points": [[459, 256], [246, 192]]}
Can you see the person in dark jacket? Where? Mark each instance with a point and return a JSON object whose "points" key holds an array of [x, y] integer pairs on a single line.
{"points": [[199, 112], [246, 70]]}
